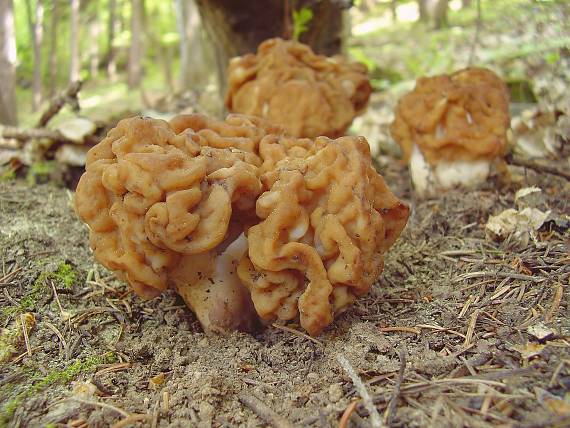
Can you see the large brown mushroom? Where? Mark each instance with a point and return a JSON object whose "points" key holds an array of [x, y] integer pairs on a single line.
{"points": [[240, 219], [452, 128], [308, 94]]}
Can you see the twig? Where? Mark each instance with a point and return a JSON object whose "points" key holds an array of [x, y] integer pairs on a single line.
{"points": [[375, 419], [525, 163], [57, 103], [343, 423], [264, 411], [555, 303], [32, 134], [98, 404], [412, 330], [298, 333], [391, 410], [25, 331]]}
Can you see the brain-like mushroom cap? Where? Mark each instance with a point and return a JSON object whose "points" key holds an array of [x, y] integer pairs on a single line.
{"points": [[463, 116], [151, 195], [168, 204], [308, 94], [327, 217]]}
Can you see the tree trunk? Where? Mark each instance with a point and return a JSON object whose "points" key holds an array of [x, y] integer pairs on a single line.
{"points": [[193, 64], [94, 46], [422, 11], [8, 107], [394, 10], [35, 26], [236, 28], [465, 4], [136, 48], [74, 66], [111, 63], [53, 48], [440, 15]]}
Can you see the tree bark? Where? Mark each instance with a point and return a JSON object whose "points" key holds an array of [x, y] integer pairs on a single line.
{"points": [[440, 15], [111, 51], [236, 28], [193, 62], [35, 25], [8, 107], [422, 11], [53, 48], [94, 46], [136, 48], [74, 66]]}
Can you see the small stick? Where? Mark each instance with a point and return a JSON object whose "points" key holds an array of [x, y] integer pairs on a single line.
{"points": [[343, 423], [264, 411], [525, 163], [105, 405], [471, 328], [57, 103], [25, 331], [375, 419], [400, 329], [298, 333], [391, 410]]}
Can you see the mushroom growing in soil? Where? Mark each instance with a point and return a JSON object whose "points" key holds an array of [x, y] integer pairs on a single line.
{"points": [[241, 220], [308, 94], [452, 129]]}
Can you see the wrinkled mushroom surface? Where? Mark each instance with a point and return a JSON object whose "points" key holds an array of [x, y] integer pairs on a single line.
{"points": [[308, 94], [242, 220], [462, 116], [154, 199], [327, 218], [452, 128]]}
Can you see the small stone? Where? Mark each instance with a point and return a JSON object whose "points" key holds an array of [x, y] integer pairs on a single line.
{"points": [[541, 331], [335, 392]]}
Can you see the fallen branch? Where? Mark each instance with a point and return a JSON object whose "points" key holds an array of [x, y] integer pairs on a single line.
{"points": [[525, 163], [32, 134], [264, 411], [57, 103]]}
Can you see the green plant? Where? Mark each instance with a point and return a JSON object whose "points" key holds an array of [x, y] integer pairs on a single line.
{"points": [[40, 171], [301, 20]]}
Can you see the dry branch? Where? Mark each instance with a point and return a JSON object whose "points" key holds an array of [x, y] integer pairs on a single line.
{"points": [[535, 166], [32, 134], [57, 103]]}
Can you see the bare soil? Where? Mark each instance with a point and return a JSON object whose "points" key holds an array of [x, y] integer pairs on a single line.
{"points": [[442, 339]]}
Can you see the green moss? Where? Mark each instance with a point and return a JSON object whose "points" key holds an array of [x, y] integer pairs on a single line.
{"points": [[64, 275], [55, 377]]}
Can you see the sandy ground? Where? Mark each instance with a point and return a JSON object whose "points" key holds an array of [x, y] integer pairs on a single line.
{"points": [[458, 331]]}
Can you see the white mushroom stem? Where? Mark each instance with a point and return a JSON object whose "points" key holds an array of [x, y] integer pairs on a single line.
{"points": [[209, 285], [428, 180]]}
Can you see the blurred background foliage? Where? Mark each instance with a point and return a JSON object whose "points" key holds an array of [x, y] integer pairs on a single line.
{"points": [[515, 37]]}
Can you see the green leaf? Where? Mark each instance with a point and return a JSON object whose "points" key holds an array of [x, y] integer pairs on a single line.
{"points": [[301, 20]]}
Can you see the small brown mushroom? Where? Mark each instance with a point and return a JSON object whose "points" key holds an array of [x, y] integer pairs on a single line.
{"points": [[452, 128], [308, 94]]}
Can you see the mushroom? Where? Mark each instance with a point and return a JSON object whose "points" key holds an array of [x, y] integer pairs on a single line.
{"points": [[452, 129], [159, 206], [308, 94], [243, 221], [327, 218]]}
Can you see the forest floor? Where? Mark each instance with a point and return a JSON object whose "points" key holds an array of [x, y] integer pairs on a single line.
{"points": [[460, 330]]}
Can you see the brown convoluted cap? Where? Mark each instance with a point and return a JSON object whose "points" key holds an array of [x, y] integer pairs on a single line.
{"points": [[308, 94], [462, 116], [150, 195], [239, 218], [327, 217]]}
